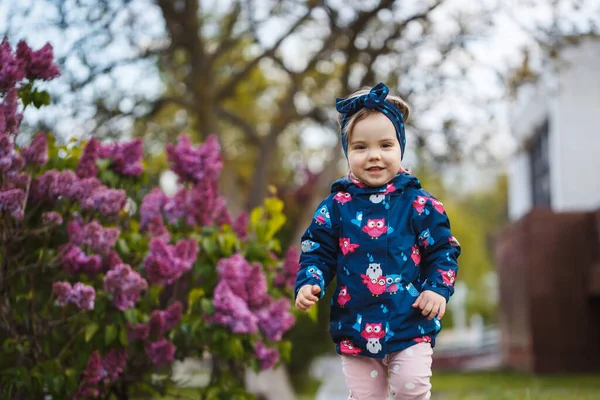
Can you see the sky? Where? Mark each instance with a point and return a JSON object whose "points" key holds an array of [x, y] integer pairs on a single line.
{"points": [[500, 50]]}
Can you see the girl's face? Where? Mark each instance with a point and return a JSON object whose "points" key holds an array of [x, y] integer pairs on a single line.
{"points": [[374, 154]]}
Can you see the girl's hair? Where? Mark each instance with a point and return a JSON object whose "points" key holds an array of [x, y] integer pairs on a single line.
{"points": [[362, 113]]}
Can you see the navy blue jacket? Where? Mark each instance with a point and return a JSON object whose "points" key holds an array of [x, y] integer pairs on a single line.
{"points": [[385, 245]]}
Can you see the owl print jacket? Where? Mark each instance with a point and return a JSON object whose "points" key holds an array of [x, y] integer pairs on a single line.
{"points": [[385, 245]]}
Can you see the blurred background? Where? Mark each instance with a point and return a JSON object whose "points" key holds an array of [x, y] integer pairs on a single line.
{"points": [[504, 96]]}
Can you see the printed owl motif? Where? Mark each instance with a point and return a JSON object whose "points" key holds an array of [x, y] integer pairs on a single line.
{"points": [[314, 272], [375, 228], [322, 217], [416, 255], [390, 188], [374, 270], [343, 296], [393, 284], [375, 285], [376, 198], [449, 277], [343, 197], [423, 339], [374, 346], [309, 245], [373, 331], [347, 247], [419, 204], [347, 347], [439, 207], [425, 239]]}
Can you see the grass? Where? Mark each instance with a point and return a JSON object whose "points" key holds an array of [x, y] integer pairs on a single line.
{"points": [[514, 386], [492, 386]]}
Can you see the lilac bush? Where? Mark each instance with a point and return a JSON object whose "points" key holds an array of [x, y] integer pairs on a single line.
{"points": [[97, 299]]}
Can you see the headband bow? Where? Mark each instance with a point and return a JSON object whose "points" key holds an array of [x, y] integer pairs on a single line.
{"points": [[374, 100]]}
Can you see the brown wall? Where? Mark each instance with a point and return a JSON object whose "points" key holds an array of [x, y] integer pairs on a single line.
{"points": [[550, 320]]}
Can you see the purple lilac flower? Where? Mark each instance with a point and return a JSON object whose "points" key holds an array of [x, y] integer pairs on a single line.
{"points": [[232, 311], [11, 68], [221, 213], [240, 226], [82, 189], [37, 152], [195, 165], [138, 332], [109, 202], [166, 263], [75, 260], [62, 290], [112, 259], [113, 364], [156, 228], [125, 285], [176, 207], [276, 319], [86, 168], [7, 152], [38, 64], [126, 157], [163, 321], [202, 203], [83, 296], [11, 202], [91, 377], [160, 352], [256, 287], [268, 357], [93, 235], [62, 185], [51, 218], [151, 207], [286, 275], [9, 117]]}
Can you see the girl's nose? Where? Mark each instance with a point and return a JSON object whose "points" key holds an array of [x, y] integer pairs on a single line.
{"points": [[374, 154]]}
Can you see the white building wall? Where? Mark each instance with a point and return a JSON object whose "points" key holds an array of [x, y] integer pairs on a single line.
{"points": [[572, 106], [576, 117]]}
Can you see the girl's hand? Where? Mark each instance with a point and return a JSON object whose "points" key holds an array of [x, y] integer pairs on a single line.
{"points": [[307, 297], [431, 304]]}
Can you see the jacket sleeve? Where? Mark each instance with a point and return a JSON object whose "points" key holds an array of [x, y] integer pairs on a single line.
{"points": [[319, 243], [439, 249]]}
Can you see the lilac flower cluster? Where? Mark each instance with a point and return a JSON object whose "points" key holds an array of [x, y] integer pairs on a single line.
{"points": [[125, 285], [160, 352], [166, 263], [243, 304], [160, 322], [285, 276], [268, 357], [126, 157], [240, 226], [51, 218], [196, 165], [91, 194], [100, 370], [81, 295]]}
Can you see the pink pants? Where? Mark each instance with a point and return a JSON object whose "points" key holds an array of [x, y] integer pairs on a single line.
{"points": [[404, 375]]}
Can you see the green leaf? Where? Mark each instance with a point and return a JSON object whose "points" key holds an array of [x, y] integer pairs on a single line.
{"points": [[207, 306], [90, 331], [209, 244], [110, 334], [273, 205], [256, 216], [130, 315], [41, 98], [313, 313], [123, 336], [123, 248]]}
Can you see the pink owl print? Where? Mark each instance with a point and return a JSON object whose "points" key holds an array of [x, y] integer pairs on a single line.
{"points": [[375, 228], [416, 255], [343, 296], [342, 197], [423, 339], [347, 347], [439, 207], [347, 247], [449, 277], [372, 331], [390, 188], [419, 204], [375, 285]]}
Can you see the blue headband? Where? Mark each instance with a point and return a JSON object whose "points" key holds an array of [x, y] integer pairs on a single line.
{"points": [[374, 100]]}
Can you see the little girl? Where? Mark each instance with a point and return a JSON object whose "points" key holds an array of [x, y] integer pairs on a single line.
{"points": [[389, 243]]}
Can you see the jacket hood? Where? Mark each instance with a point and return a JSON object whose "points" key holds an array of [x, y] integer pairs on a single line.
{"points": [[400, 182]]}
